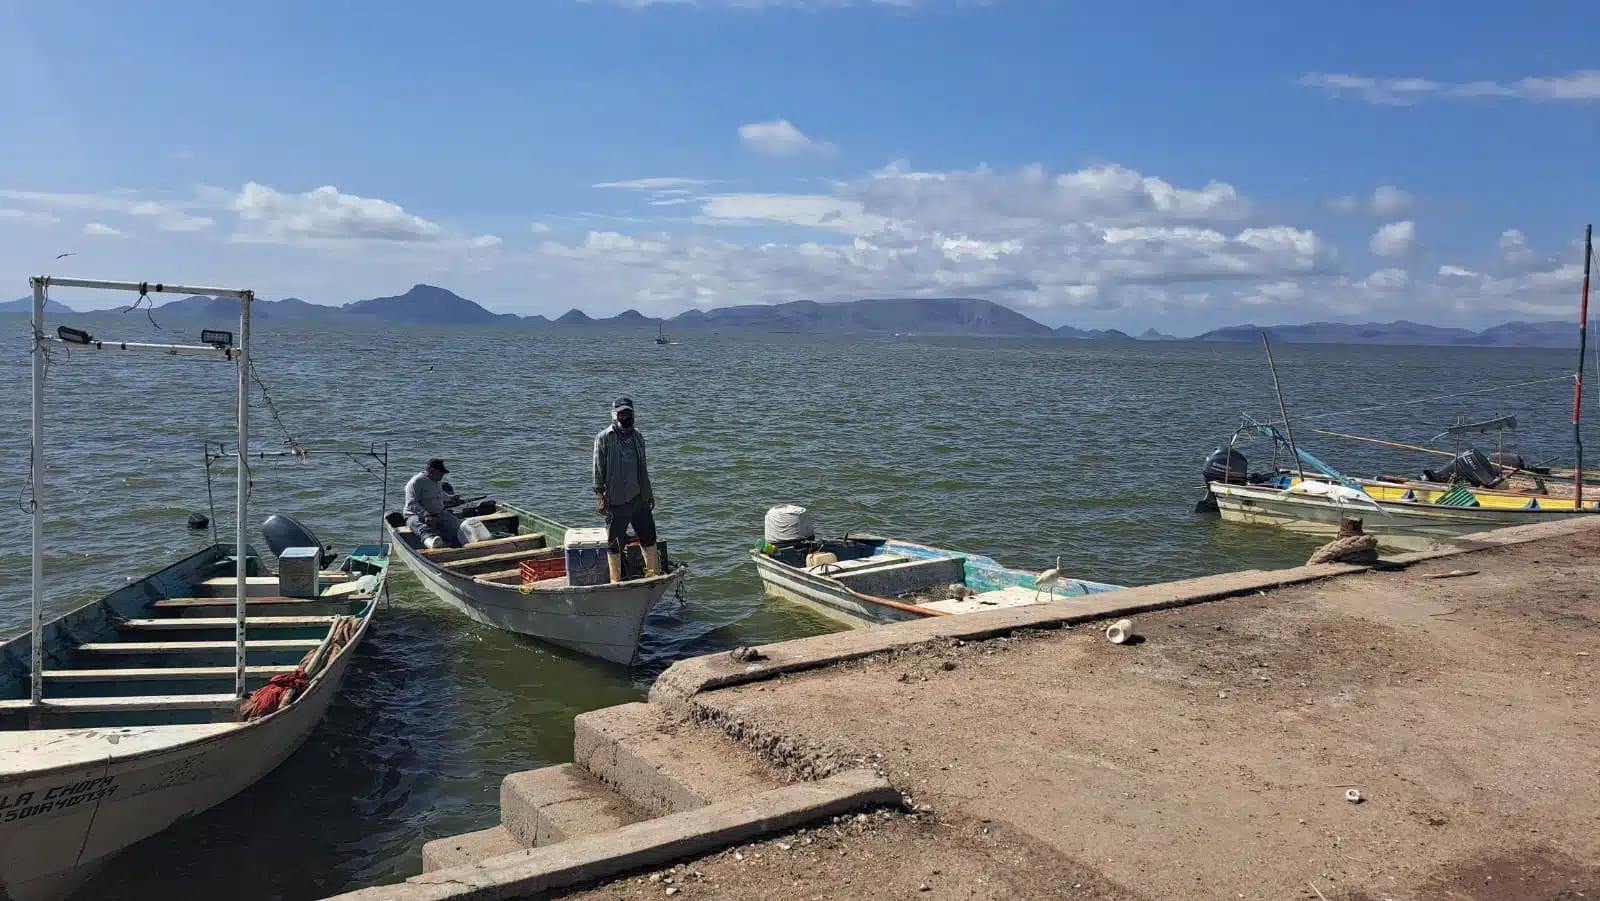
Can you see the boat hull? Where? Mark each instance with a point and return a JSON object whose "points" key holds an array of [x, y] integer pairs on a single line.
{"points": [[603, 621], [59, 824], [1399, 525], [824, 596]]}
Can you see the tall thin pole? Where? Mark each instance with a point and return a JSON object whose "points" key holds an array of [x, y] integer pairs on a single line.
{"points": [[241, 585], [1284, 410], [36, 685], [1577, 388]]}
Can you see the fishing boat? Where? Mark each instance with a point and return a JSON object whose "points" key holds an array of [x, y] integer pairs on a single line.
{"points": [[661, 335], [172, 693], [139, 727], [488, 581], [1401, 514], [866, 580]]}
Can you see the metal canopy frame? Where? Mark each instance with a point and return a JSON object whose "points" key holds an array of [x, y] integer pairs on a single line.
{"points": [[239, 355]]}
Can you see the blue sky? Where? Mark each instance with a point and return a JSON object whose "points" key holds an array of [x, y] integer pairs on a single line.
{"points": [[1104, 165]]}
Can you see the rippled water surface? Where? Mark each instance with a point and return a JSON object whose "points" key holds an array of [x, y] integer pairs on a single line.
{"points": [[1016, 449]]}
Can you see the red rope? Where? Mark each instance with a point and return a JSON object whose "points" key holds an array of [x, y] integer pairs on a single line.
{"points": [[268, 698]]}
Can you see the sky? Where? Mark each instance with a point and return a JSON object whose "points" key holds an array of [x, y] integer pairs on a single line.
{"points": [[1171, 165]]}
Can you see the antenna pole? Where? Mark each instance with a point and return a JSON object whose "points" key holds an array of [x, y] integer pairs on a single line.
{"points": [[241, 583], [36, 684], [1577, 388], [1287, 426]]}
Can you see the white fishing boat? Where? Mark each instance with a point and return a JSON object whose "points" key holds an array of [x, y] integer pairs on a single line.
{"points": [[175, 692], [487, 581], [865, 580]]}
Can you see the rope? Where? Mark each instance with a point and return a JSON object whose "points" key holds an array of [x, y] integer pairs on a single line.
{"points": [[1347, 549], [289, 439]]}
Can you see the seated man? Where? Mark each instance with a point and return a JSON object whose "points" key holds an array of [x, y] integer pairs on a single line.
{"points": [[425, 511]]}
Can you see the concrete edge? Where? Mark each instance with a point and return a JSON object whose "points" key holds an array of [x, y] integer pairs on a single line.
{"points": [[642, 845], [687, 678]]}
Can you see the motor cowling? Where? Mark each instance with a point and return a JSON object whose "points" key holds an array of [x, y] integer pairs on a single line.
{"points": [[1469, 466], [788, 525], [283, 532], [1226, 465]]}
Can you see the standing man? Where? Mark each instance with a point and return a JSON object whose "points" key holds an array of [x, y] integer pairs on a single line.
{"points": [[425, 509], [622, 489]]}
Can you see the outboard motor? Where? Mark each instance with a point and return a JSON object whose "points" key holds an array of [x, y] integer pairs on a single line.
{"points": [[789, 525], [1508, 460], [1226, 465], [1469, 466], [283, 532]]}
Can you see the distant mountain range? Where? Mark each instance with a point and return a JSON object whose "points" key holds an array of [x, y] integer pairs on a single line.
{"points": [[430, 305]]}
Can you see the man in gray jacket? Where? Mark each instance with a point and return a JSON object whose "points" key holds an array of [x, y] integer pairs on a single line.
{"points": [[425, 511], [622, 489]]}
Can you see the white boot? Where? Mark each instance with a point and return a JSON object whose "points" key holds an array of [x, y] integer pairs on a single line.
{"points": [[434, 542]]}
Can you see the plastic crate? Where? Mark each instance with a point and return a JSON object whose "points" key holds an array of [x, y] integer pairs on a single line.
{"points": [[539, 570]]}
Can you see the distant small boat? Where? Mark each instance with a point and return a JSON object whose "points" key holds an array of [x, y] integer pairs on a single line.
{"points": [[485, 581], [874, 581], [661, 335]]}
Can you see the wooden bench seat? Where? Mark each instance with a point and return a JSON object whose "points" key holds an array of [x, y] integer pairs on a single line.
{"points": [[143, 674], [250, 603], [493, 545], [493, 562], [227, 622], [132, 704], [177, 647]]}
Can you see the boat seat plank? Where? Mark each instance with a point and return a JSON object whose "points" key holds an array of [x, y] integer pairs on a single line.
{"points": [[497, 561], [477, 549], [173, 647], [183, 603], [141, 674], [227, 622], [127, 704]]}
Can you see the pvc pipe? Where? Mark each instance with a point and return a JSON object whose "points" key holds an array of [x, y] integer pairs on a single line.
{"points": [[36, 684], [241, 585], [1120, 631]]}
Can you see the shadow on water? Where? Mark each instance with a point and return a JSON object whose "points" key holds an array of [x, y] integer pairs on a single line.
{"points": [[1018, 450]]}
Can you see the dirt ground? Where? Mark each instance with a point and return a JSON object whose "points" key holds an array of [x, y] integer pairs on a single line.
{"points": [[1212, 758]]}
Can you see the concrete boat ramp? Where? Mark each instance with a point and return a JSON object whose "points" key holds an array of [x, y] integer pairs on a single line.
{"points": [[1016, 753]]}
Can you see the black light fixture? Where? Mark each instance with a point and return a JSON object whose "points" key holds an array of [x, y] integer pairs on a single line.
{"points": [[72, 335], [216, 337]]}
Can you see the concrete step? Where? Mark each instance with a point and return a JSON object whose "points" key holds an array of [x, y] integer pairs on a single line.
{"points": [[469, 849], [549, 805], [661, 766]]}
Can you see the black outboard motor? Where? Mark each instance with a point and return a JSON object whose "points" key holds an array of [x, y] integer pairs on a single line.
{"points": [[1469, 466], [1226, 465], [1508, 460], [283, 532]]}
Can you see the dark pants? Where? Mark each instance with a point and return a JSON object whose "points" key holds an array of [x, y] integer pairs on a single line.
{"points": [[635, 513]]}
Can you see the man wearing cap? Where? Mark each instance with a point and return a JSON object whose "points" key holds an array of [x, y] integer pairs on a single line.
{"points": [[622, 489], [425, 511]]}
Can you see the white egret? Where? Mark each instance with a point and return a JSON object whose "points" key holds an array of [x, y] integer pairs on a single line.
{"points": [[1048, 579]]}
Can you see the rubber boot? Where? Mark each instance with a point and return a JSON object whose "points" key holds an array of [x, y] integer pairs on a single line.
{"points": [[614, 563], [652, 562]]}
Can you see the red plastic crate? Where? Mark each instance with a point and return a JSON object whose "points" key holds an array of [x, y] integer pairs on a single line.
{"points": [[539, 570]]}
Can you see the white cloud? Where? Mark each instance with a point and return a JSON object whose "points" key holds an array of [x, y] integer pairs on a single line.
{"points": [[171, 218], [326, 214], [780, 138], [1451, 271], [812, 210], [1385, 201], [539, 228], [27, 216], [653, 184], [1397, 239], [101, 230], [1582, 85]]}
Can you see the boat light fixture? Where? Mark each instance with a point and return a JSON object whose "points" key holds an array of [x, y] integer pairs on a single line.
{"points": [[72, 335], [216, 337]]}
